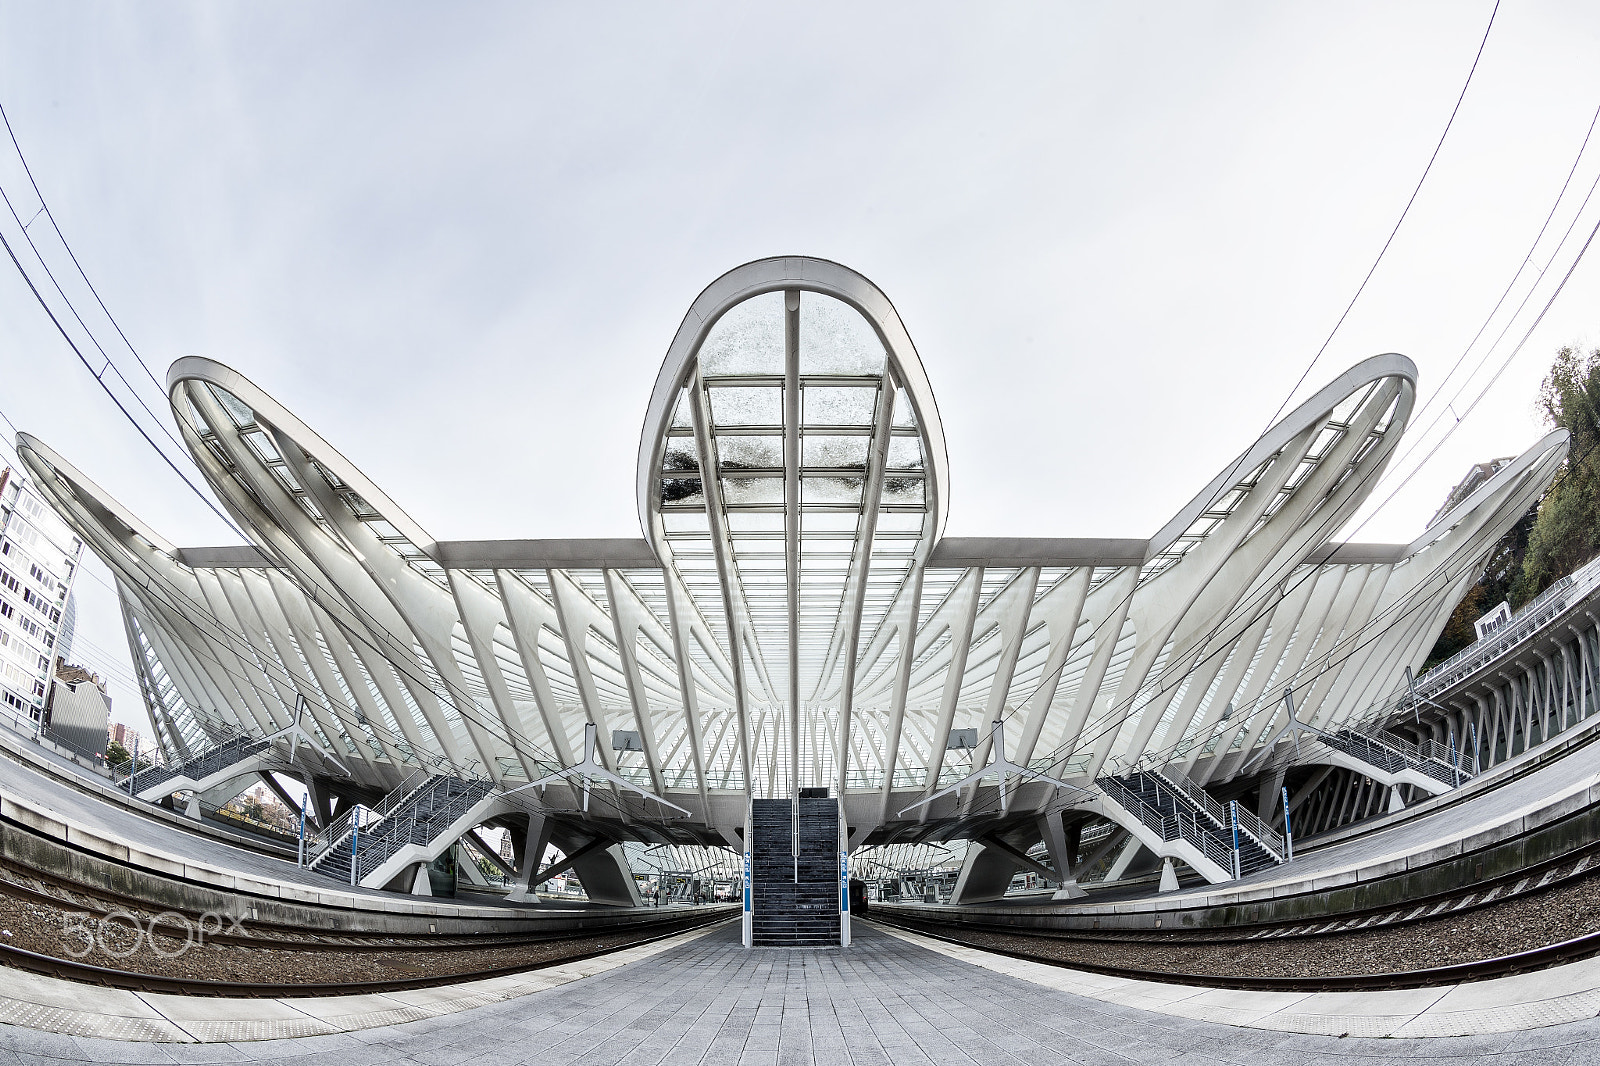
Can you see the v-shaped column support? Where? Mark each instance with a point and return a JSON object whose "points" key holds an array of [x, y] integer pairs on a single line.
{"points": [[1417, 701], [590, 770], [998, 766], [296, 733], [1293, 727]]}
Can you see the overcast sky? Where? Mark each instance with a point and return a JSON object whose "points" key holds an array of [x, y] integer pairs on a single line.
{"points": [[457, 239]]}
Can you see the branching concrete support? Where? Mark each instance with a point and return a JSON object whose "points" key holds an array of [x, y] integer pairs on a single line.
{"points": [[321, 811], [1055, 841], [490, 854], [529, 856], [1268, 800], [985, 875], [1118, 835], [1124, 859]]}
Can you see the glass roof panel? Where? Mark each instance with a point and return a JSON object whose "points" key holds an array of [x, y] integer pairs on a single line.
{"points": [[835, 339], [681, 417], [747, 405], [681, 455], [236, 408], [748, 339], [755, 521], [831, 489], [752, 490], [904, 415], [836, 405], [905, 453], [682, 492], [834, 452], [902, 490], [749, 453]]}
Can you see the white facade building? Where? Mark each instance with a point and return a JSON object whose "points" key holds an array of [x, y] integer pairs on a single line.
{"points": [[39, 558]]}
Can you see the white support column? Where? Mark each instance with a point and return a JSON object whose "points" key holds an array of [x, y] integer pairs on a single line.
{"points": [[1055, 841], [535, 841]]}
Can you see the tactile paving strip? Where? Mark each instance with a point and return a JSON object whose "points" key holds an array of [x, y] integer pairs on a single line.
{"points": [[84, 1023]]}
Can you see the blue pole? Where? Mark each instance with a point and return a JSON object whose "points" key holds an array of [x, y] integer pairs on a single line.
{"points": [[305, 797], [1233, 816], [1288, 832], [355, 840]]}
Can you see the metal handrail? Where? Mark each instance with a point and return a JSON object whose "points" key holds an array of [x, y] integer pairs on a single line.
{"points": [[386, 836], [1193, 793], [1260, 832], [1522, 625], [1257, 830], [1395, 754], [1170, 828], [338, 830]]}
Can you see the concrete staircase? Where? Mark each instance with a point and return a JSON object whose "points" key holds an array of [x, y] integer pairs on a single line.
{"points": [[1175, 809], [1399, 760], [418, 820], [198, 771], [788, 910]]}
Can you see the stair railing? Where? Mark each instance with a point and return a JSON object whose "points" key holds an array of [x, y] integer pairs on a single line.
{"points": [[1270, 840], [1196, 795], [400, 826], [1182, 823], [338, 830]]}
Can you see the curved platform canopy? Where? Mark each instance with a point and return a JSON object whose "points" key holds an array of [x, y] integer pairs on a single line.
{"points": [[794, 615]]}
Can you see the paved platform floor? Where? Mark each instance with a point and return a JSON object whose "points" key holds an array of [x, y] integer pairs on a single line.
{"points": [[884, 1002]]}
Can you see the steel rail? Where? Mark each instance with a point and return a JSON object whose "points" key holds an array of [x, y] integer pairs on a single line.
{"points": [[87, 973], [285, 937], [1569, 867], [1565, 951]]}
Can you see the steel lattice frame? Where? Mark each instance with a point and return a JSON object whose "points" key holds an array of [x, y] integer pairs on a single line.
{"points": [[794, 615]]}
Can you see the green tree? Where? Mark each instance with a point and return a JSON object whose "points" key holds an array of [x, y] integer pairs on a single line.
{"points": [[116, 754], [1567, 532]]}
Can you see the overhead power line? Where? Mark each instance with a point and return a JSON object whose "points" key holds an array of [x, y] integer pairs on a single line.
{"points": [[1403, 213], [44, 207]]}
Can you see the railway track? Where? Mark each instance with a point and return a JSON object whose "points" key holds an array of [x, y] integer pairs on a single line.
{"points": [[1350, 950], [1499, 888], [1572, 950], [250, 956], [73, 970]]}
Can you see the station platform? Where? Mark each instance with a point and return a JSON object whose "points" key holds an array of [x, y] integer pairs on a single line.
{"points": [[1536, 790], [66, 803], [703, 999]]}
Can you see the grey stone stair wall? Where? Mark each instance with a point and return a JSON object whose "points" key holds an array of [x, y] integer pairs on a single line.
{"points": [[787, 910]]}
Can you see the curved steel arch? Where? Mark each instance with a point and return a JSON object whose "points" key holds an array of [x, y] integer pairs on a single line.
{"points": [[776, 274], [491, 657]]}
